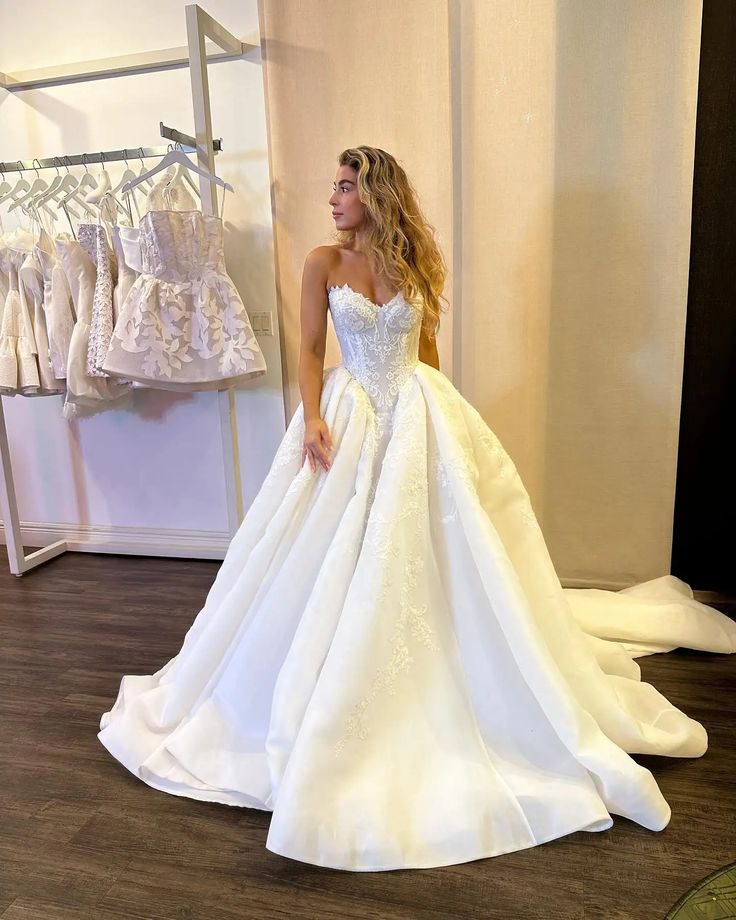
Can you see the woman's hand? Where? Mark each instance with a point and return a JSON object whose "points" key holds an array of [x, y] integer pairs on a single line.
{"points": [[317, 444]]}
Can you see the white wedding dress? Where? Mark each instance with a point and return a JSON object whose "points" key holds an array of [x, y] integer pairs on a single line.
{"points": [[386, 660]]}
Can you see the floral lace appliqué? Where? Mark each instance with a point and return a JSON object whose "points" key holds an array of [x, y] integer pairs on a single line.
{"points": [[408, 514]]}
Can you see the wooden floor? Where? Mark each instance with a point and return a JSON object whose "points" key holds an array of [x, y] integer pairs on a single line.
{"points": [[80, 837]]}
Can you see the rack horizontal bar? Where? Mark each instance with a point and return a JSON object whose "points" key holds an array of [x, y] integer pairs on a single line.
{"points": [[142, 62], [85, 159], [186, 140]]}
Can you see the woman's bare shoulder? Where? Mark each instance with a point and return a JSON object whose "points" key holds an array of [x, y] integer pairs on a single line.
{"points": [[329, 252], [327, 258]]}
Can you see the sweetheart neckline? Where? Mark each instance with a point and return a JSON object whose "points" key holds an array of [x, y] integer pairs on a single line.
{"points": [[378, 306]]}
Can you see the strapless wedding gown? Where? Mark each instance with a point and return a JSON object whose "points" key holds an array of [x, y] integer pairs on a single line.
{"points": [[386, 659]]}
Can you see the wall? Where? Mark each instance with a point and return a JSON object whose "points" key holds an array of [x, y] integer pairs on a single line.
{"points": [[551, 142]]}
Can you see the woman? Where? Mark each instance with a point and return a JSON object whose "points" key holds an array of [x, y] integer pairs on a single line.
{"points": [[387, 660]]}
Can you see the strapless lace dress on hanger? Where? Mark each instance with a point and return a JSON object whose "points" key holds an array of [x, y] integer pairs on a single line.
{"points": [[183, 325], [386, 659]]}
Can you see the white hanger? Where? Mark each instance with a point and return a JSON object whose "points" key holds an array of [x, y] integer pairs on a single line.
{"points": [[102, 197], [59, 185], [39, 185], [103, 186], [20, 186], [176, 156], [128, 174], [147, 184], [5, 186], [36, 197], [53, 185], [75, 189], [182, 173], [77, 186]]}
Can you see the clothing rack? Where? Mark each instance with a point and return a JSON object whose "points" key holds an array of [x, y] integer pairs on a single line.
{"points": [[195, 55], [185, 142]]}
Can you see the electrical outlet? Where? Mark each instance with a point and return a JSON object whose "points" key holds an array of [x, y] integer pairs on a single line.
{"points": [[261, 322]]}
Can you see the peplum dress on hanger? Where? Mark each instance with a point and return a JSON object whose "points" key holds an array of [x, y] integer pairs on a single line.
{"points": [[31, 290], [183, 324], [18, 364]]}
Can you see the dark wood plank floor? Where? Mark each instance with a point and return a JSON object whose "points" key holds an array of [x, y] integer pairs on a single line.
{"points": [[82, 838]]}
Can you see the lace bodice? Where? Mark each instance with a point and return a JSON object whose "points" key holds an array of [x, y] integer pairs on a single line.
{"points": [[379, 344], [175, 241], [180, 245]]}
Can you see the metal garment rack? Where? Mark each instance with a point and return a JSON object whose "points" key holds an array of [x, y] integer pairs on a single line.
{"points": [[195, 55], [184, 141]]}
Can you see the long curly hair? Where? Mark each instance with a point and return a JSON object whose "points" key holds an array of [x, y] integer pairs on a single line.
{"points": [[399, 241]]}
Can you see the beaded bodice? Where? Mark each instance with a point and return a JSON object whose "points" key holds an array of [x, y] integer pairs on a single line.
{"points": [[379, 344]]}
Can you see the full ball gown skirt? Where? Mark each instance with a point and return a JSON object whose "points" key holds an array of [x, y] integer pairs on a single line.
{"points": [[386, 659]]}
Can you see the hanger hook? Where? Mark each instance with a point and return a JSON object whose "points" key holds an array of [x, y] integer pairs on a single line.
{"points": [[102, 158], [125, 157], [140, 157], [20, 166], [65, 157], [33, 164], [56, 166], [84, 162]]}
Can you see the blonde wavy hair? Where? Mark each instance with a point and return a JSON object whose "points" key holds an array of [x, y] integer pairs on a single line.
{"points": [[399, 241]]}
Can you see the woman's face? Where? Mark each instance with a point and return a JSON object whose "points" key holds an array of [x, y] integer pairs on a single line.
{"points": [[347, 209]]}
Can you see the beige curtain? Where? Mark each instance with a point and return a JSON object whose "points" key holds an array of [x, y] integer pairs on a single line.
{"points": [[551, 142]]}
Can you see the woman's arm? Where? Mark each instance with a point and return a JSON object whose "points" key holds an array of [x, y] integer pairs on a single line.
{"points": [[317, 438], [313, 319]]}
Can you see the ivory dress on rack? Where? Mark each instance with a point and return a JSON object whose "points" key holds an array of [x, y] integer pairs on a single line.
{"points": [[57, 303], [94, 239], [31, 284], [127, 255], [85, 395], [18, 364], [183, 324]]}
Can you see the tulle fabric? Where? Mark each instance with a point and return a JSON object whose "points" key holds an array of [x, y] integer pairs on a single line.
{"points": [[388, 663]]}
